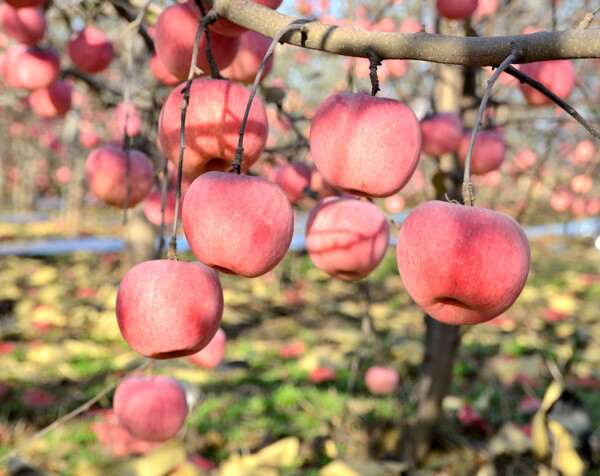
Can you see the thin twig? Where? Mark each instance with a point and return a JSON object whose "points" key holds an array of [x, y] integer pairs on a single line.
{"points": [[239, 151], [214, 69], [587, 20], [163, 206], [467, 187], [172, 253], [86, 406], [523, 78], [373, 63]]}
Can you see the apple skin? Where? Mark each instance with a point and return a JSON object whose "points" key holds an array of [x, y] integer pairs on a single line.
{"points": [[237, 224], [346, 238], [462, 265], [38, 67], [53, 101], [245, 66], [11, 60], [212, 354], [161, 73], [153, 205], [25, 3], [105, 173], [91, 51], [151, 407], [212, 126], [488, 154], [456, 9], [168, 309], [441, 133], [356, 153], [293, 178], [174, 35], [26, 25], [225, 27], [558, 76], [381, 380]]}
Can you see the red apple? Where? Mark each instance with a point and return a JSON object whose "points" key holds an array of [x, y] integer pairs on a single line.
{"points": [[88, 138], [25, 3], [584, 152], [561, 200], [488, 153], [174, 35], [153, 206], [394, 204], [105, 172], [53, 101], [167, 309], [355, 153], [225, 27], [293, 178], [161, 73], [245, 66], [346, 238], [456, 9], [525, 159], [581, 184], [441, 133], [63, 174], [237, 224], [212, 354], [26, 25], [212, 126], [558, 76], [381, 380], [37, 67], [91, 51], [151, 407], [9, 70], [462, 265]]}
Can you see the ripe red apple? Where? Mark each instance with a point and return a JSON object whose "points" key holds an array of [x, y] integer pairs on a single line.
{"points": [[441, 133], [10, 72], [525, 159], [161, 73], [584, 152], [561, 200], [212, 354], [225, 27], [394, 204], [245, 66], [174, 35], [25, 3], [53, 101], [237, 224], [63, 174], [558, 76], [355, 153], [105, 172], [381, 380], [37, 67], [346, 238], [88, 138], [151, 407], [167, 309], [488, 153], [212, 126], [26, 25], [153, 205], [293, 178], [456, 9], [462, 265], [91, 51], [581, 184]]}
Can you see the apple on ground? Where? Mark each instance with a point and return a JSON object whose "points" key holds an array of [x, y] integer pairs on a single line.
{"points": [[356, 153], [26, 25], [212, 354], [293, 178], [151, 407], [381, 380], [460, 264], [488, 153], [174, 35], [237, 224], [91, 51], [346, 238], [441, 133], [245, 66], [168, 309], [213, 121], [106, 175]]}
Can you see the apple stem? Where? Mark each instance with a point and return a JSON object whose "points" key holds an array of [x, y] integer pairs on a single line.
{"points": [[523, 78], [373, 63], [79, 410], [214, 69], [163, 206], [298, 25], [467, 186]]}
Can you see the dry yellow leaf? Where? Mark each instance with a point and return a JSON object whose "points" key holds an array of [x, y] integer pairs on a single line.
{"points": [[363, 468]]}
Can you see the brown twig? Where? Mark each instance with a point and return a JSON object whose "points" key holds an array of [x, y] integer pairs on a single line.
{"points": [[373, 63], [163, 206]]}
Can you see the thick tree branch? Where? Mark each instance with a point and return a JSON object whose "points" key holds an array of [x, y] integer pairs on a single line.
{"points": [[468, 51]]}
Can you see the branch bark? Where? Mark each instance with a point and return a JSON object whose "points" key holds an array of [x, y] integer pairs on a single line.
{"points": [[467, 51]]}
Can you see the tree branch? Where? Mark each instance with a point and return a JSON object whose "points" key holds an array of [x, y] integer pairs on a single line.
{"points": [[468, 51]]}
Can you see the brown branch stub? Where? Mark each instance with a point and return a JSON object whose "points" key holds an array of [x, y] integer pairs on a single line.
{"points": [[467, 51], [373, 63]]}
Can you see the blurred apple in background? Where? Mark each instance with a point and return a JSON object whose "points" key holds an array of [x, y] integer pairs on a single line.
{"points": [[161, 73], [91, 51], [456, 9], [441, 133], [381, 380], [245, 65], [37, 67], [488, 153], [52, 101], [212, 354], [153, 207], [26, 25], [293, 178], [558, 76]]}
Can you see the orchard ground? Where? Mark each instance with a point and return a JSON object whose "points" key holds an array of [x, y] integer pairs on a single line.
{"points": [[62, 346]]}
